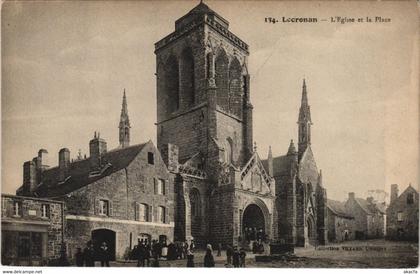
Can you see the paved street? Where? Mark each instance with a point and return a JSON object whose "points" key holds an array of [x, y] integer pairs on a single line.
{"points": [[357, 254]]}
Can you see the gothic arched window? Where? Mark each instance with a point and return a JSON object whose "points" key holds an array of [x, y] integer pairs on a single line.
{"points": [[222, 79], [195, 203], [187, 77], [228, 150], [235, 87], [172, 83]]}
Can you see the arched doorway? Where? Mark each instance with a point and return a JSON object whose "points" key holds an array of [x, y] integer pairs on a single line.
{"points": [[253, 223], [104, 235]]}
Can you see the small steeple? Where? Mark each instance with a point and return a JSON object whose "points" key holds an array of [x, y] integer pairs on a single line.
{"points": [[124, 127], [270, 162], [320, 177], [304, 122], [292, 149]]}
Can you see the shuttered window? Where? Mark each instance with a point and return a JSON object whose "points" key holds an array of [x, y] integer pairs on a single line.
{"points": [[161, 214]]}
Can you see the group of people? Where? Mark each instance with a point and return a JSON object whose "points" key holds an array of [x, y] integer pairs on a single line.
{"points": [[235, 256], [89, 255], [144, 251], [148, 254], [254, 234]]}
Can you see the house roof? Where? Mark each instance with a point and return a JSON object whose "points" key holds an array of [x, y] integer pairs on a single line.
{"points": [[338, 208], [369, 208], [81, 174]]}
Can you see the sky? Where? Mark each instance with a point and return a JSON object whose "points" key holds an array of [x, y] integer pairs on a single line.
{"points": [[65, 65]]}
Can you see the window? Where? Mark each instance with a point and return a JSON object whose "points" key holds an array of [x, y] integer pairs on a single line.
{"points": [[161, 214], [142, 212], [195, 203], [45, 211], [151, 158], [228, 151], [159, 186], [400, 217], [17, 209], [410, 198], [103, 207]]}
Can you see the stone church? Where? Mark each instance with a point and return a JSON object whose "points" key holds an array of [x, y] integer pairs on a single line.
{"points": [[204, 180], [204, 132]]}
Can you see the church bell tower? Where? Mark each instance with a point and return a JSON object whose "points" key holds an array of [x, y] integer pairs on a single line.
{"points": [[203, 102]]}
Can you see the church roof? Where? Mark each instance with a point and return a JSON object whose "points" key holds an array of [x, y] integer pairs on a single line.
{"points": [[281, 165], [338, 208], [81, 174]]}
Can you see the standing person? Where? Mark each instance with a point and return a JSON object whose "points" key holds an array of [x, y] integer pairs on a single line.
{"points": [[242, 255], [104, 254], [140, 253], [208, 258], [229, 254], [79, 257], [219, 250], [236, 257], [146, 256], [89, 254], [192, 246], [164, 250], [190, 258], [185, 250]]}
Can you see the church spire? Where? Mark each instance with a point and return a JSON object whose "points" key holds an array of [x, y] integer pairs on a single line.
{"points": [[292, 149], [304, 122], [124, 126]]}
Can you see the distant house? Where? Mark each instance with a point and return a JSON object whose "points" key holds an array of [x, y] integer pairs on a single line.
{"points": [[403, 214], [369, 217], [31, 230], [341, 222]]}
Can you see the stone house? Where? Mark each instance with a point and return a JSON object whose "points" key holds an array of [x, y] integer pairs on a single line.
{"points": [[369, 217], [403, 214], [31, 230], [116, 196], [340, 222]]}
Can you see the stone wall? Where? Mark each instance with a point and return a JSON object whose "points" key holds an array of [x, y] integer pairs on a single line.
{"points": [[122, 190], [338, 226], [31, 214], [360, 217]]}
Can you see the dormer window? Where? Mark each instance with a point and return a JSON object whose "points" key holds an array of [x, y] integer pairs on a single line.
{"points": [[410, 198], [150, 158], [45, 211], [17, 209]]}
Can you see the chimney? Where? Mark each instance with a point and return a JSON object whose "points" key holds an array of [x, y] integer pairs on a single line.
{"points": [[97, 147], [42, 161], [394, 192], [29, 177], [170, 154], [352, 196], [63, 162], [270, 162]]}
